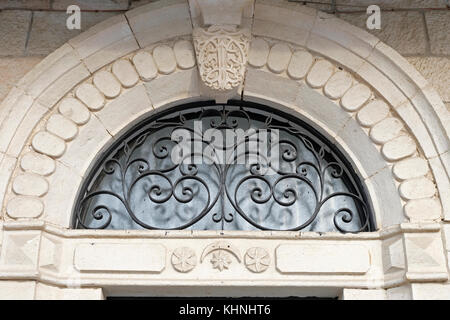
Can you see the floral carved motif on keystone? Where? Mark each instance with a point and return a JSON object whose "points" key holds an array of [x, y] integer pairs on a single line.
{"points": [[184, 259], [257, 260], [222, 56]]}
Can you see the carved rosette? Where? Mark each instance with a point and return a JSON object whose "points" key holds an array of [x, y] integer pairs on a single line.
{"points": [[222, 53], [184, 259], [257, 260]]}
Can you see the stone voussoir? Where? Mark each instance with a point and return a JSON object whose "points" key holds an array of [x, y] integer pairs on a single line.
{"points": [[145, 65]]}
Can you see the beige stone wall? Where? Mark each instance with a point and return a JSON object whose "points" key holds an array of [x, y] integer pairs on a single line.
{"points": [[30, 30]]}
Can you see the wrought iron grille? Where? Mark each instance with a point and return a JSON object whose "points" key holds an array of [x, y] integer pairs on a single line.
{"points": [[137, 184]]}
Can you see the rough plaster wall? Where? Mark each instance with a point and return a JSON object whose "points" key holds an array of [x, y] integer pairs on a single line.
{"points": [[31, 29]]}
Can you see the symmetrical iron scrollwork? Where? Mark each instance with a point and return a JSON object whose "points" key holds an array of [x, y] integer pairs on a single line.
{"points": [[137, 184]]}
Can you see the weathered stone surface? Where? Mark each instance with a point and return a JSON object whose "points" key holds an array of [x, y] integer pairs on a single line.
{"points": [[356, 97], [319, 74], [399, 148], [402, 30], [17, 290], [90, 96], [125, 72], [49, 144], [25, 4], [92, 4], [372, 113], [279, 57], [355, 139], [49, 30], [259, 52], [74, 110], [29, 184], [91, 138], [133, 103], [37, 163], [61, 86], [24, 130], [24, 207], [13, 32], [300, 64], [410, 168], [338, 84], [418, 188], [334, 51], [349, 5], [50, 71], [381, 84], [180, 86], [364, 294], [50, 292], [430, 291], [165, 59], [61, 127], [120, 257], [436, 71], [159, 21], [107, 84], [63, 189], [438, 24], [386, 130], [13, 111], [105, 42], [300, 258], [184, 54], [12, 69], [145, 65]]}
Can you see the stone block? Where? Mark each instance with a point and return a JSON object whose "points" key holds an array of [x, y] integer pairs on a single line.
{"points": [[92, 137], [47, 292], [91, 4], [430, 291], [176, 87], [390, 206], [114, 257], [20, 250], [17, 290], [425, 256], [402, 30], [382, 84], [25, 129], [12, 69], [134, 103], [160, 20], [105, 42], [322, 259], [364, 294], [14, 27], [435, 70], [63, 190], [349, 5], [438, 24]]}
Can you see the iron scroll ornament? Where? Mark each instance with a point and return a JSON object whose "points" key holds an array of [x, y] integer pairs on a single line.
{"points": [[136, 185]]}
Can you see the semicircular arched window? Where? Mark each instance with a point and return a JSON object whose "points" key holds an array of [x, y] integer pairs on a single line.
{"points": [[239, 166]]}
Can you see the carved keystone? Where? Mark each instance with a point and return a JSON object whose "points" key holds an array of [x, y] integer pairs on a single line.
{"points": [[222, 40]]}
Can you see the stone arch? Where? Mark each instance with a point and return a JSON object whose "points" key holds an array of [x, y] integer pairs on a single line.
{"points": [[66, 109]]}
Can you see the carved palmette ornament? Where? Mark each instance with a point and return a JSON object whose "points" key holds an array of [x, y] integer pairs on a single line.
{"points": [[222, 56]]}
